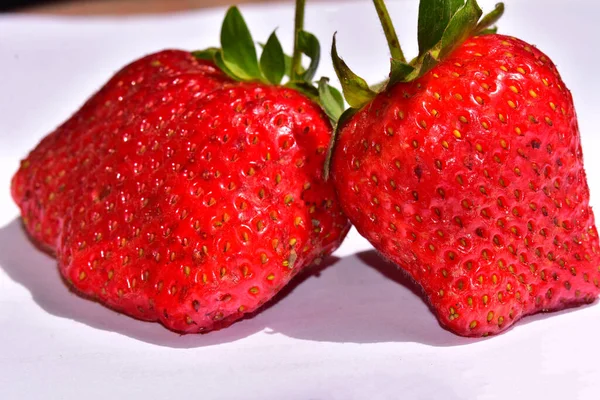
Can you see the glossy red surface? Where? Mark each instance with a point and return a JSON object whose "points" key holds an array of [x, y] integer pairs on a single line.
{"points": [[471, 178], [176, 194]]}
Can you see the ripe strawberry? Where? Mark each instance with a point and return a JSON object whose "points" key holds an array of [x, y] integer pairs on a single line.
{"points": [[467, 171], [187, 193]]}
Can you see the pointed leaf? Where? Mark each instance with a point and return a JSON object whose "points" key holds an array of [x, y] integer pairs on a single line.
{"points": [[427, 63], [356, 90], [221, 64], [399, 72], [288, 62], [305, 88], [238, 50], [207, 54], [272, 60], [308, 44], [488, 31], [491, 18], [461, 26], [331, 100], [434, 16]]}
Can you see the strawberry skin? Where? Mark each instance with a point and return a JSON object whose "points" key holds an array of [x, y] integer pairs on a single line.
{"points": [[471, 179], [178, 195]]}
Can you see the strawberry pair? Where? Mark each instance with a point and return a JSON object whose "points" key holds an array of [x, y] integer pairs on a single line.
{"points": [[193, 186]]}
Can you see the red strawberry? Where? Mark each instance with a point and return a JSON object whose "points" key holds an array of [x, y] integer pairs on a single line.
{"points": [[181, 195], [466, 170]]}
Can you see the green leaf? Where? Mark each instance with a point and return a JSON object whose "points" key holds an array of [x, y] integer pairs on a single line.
{"points": [[308, 44], [399, 72], [356, 90], [427, 63], [238, 50], [272, 60], [331, 100], [221, 64], [488, 31], [349, 113], [288, 62], [490, 19], [305, 88], [461, 26], [434, 16], [207, 54]]}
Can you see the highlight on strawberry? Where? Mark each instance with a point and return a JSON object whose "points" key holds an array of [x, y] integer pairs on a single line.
{"points": [[189, 189], [465, 168]]}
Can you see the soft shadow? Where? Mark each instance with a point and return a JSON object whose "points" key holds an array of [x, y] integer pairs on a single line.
{"points": [[362, 299], [367, 299], [38, 273]]}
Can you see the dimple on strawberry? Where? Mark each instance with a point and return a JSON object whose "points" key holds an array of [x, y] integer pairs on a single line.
{"points": [[466, 170], [189, 189]]}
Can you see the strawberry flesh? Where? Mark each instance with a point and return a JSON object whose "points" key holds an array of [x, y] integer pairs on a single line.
{"points": [[471, 179], [178, 195]]}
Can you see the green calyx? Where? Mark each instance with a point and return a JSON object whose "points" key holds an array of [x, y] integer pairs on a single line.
{"points": [[443, 26], [237, 57]]}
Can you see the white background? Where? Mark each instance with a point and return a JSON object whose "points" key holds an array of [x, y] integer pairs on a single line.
{"points": [[355, 331]]}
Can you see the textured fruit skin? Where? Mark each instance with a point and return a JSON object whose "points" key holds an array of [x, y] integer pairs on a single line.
{"points": [[178, 195], [471, 179]]}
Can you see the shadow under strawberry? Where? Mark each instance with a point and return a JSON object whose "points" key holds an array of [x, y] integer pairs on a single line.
{"points": [[360, 299], [36, 271]]}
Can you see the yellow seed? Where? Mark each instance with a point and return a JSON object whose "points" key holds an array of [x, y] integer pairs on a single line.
{"points": [[457, 134], [512, 104], [514, 89], [533, 94]]}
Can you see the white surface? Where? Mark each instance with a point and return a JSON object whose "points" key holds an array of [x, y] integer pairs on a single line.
{"points": [[350, 333]]}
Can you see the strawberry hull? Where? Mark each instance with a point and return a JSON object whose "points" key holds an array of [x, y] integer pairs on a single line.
{"points": [[471, 178], [178, 195]]}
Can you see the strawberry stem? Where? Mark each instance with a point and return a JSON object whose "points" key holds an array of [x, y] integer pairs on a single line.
{"points": [[298, 27], [389, 31]]}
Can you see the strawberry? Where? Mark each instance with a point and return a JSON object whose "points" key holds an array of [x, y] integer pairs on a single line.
{"points": [[466, 170], [189, 189]]}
